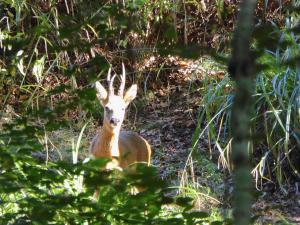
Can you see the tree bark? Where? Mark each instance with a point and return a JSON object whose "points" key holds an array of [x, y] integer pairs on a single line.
{"points": [[241, 69]]}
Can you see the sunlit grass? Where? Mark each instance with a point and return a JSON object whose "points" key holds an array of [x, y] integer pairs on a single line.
{"points": [[276, 112]]}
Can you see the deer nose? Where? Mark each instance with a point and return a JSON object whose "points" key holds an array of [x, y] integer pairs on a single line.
{"points": [[114, 121]]}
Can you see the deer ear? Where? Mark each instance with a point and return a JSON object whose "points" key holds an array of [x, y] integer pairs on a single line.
{"points": [[101, 92], [130, 94]]}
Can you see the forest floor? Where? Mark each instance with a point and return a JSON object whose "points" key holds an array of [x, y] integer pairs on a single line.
{"points": [[167, 118], [168, 121]]}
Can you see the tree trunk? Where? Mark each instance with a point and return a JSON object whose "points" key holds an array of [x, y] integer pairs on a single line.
{"points": [[241, 68]]}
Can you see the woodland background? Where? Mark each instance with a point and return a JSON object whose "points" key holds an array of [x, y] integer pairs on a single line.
{"points": [[218, 100]]}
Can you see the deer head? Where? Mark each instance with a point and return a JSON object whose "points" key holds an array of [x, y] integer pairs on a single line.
{"points": [[115, 105]]}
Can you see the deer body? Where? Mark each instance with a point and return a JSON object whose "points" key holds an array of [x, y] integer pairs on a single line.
{"points": [[130, 148], [123, 147]]}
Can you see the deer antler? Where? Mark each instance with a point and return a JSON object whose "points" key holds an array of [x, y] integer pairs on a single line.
{"points": [[122, 85], [110, 82]]}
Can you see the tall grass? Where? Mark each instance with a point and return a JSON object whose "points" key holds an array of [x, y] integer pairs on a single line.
{"points": [[275, 126]]}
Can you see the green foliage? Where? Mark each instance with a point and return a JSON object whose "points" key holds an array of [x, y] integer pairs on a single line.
{"points": [[277, 105], [51, 55], [275, 125], [33, 192]]}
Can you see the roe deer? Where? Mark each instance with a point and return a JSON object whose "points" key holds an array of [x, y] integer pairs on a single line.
{"points": [[123, 147]]}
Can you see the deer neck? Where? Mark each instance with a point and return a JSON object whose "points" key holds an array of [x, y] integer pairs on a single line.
{"points": [[109, 141]]}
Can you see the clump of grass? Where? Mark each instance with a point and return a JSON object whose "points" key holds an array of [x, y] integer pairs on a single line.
{"points": [[201, 178], [275, 123]]}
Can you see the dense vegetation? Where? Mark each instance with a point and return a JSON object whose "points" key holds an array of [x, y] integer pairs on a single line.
{"points": [[53, 51]]}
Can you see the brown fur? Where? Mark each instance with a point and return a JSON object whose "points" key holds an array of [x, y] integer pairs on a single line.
{"points": [[132, 148], [124, 147]]}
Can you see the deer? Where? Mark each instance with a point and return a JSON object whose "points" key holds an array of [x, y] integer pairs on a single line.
{"points": [[124, 148]]}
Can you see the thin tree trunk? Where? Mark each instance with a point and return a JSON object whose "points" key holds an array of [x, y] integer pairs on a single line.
{"points": [[242, 71]]}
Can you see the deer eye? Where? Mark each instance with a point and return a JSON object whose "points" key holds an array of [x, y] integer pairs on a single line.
{"points": [[122, 108], [106, 108]]}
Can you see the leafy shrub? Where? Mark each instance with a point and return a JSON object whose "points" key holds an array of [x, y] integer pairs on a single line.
{"points": [[32, 192]]}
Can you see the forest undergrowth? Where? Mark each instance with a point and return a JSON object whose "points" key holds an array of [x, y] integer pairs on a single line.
{"points": [[53, 51], [167, 114]]}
